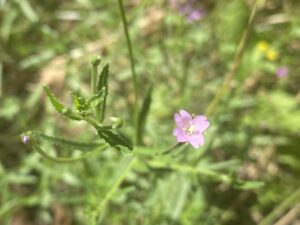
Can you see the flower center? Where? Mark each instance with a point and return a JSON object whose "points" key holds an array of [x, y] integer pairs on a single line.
{"points": [[190, 130]]}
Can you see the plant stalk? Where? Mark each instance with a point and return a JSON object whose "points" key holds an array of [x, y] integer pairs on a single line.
{"points": [[132, 64], [269, 219], [237, 61]]}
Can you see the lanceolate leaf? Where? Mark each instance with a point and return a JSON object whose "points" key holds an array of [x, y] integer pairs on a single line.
{"points": [[96, 99], [68, 144], [114, 139], [143, 115], [247, 185], [103, 84], [103, 78], [60, 107]]}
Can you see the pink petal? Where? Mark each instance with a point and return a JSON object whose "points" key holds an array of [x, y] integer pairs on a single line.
{"points": [[196, 140], [185, 114], [195, 144], [177, 131], [201, 123], [182, 137], [182, 118]]}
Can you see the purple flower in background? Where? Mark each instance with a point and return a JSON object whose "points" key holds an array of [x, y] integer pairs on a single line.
{"points": [[25, 139], [282, 72], [190, 129], [188, 9]]}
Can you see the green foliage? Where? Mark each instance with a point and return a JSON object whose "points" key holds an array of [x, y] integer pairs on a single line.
{"points": [[143, 114], [103, 85], [65, 111]]}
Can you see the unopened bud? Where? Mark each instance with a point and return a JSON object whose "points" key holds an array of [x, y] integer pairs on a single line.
{"points": [[117, 122]]}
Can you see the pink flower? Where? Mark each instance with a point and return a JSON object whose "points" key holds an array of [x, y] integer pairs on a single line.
{"points": [[190, 129], [25, 139], [188, 9], [282, 72]]}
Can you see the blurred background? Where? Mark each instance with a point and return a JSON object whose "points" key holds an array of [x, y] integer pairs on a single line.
{"points": [[183, 49]]}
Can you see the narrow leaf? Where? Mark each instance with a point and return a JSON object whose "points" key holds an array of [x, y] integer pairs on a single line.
{"points": [[34, 143], [68, 144], [103, 78], [60, 107], [103, 83], [114, 139], [247, 185], [96, 99], [143, 115]]}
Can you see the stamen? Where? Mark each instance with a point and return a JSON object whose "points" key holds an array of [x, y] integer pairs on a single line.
{"points": [[190, 130]]}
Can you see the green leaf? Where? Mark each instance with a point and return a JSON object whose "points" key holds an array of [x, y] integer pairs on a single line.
{"points": [[114, 139], [79, 101], [81, 105], [28, 11], [97, 99], [33, 140], [103, 84], [143, 115], [103, 78], [246, 185], [71, 145], [60, 107]]}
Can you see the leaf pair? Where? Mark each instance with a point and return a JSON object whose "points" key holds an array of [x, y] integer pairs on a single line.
{"points": [[84, 106]]}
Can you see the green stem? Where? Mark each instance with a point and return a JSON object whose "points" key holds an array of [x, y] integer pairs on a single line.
{"points": [[92, 122], [1, 75], [134, 78], [294, 197], [237, 61]]}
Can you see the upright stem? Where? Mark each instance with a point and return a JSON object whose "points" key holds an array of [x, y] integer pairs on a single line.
{"points": [[237, 60], [134, 78], [1, 71]]}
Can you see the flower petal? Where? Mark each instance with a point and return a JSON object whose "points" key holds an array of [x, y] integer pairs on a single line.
{"points": [[196, 140], [201, 123], [177, 131], [185, 114], [182, 119], [182, 137]]}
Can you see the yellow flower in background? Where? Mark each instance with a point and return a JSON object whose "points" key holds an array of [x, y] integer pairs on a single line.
{"points": [[268, 52], [263, 46], [272, 55]]}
